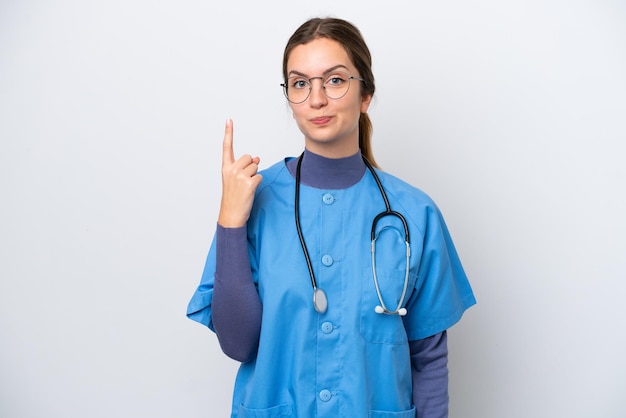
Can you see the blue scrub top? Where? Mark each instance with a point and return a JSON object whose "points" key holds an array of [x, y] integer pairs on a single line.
{"points": [[349, 361]]}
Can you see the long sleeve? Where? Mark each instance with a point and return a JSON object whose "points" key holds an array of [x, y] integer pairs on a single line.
{"points": [[237, 308], [429, 369]]}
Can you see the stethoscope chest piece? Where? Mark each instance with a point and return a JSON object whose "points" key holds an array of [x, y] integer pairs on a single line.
{"points": [[320, 302]]}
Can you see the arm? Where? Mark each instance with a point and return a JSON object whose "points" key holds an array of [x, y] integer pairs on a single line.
{"points": [[429, 369], [237, 307], [236, 304]]}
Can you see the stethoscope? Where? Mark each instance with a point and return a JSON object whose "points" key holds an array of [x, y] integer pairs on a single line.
{"points": [[320, 301]]}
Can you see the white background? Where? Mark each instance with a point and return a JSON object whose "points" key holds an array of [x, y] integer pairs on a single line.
{"points": [[511, 115]]}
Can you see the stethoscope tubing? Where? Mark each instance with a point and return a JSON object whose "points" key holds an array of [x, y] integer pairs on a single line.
{"points": [[320, 301], [299, 228]]}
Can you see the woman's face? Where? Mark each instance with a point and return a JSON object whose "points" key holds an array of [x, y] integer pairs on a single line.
{"points": [[330, 126]]}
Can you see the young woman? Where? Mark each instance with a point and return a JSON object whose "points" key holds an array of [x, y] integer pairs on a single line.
{"points": [[331, 281]]}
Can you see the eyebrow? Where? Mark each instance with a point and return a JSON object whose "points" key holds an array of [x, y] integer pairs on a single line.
{"points": [[331, 69]]}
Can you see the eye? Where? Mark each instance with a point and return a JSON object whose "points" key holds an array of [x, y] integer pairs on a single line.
{"points": [[335, 80], [299, 83]]}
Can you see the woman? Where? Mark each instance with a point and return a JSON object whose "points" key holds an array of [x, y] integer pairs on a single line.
{"points": [[323, 326]]}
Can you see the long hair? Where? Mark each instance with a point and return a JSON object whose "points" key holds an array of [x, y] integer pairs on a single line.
{"points": [[352, 41]]}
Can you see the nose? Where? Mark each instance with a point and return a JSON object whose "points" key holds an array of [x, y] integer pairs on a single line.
{"points": [[317, 97]]}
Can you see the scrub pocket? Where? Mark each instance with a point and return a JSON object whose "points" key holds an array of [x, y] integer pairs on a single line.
{"points": [[383, 328], [273, 412], [384, 414]]}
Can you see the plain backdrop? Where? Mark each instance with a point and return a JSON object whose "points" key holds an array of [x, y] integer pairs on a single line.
{"points": [[510, 114]]}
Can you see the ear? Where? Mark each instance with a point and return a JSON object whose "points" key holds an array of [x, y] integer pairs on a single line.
{"points": [[365, 103]]}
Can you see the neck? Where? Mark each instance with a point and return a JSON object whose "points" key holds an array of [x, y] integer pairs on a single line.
{"points": [[328, 173]]}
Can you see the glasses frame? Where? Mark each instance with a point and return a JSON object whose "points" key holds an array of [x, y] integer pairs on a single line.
{"points": [[349, 77]]}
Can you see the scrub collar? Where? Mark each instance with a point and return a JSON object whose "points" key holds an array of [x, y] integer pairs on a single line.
{"points": [[328, 173]]}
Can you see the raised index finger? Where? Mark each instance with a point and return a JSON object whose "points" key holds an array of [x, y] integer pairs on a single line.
{"points": [[228, 155]]}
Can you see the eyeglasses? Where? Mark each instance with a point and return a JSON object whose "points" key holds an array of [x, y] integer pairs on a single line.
{"points": [[334, 85]]}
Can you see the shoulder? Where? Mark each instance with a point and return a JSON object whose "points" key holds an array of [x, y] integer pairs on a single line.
{"points": [[275, 176], [416, 205], [277, 184], [404, 192], [273, 199]]}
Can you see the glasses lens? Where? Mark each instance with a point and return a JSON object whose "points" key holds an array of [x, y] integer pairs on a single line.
{"points": [[297, 89], [336, 85]]}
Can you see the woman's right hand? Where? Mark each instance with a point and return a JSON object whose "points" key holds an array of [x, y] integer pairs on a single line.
{"points": [[239, 182]]}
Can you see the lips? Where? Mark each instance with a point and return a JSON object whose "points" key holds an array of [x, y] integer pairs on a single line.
{"points": [[322, 120]]}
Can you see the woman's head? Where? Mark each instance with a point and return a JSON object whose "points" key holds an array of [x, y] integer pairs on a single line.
{"points": [[351, 41]]}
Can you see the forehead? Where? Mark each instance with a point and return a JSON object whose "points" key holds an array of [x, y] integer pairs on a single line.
{"points": [[317, 56]]}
